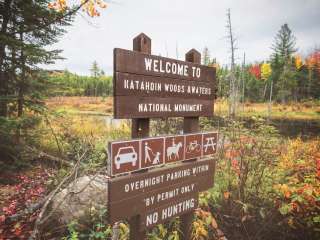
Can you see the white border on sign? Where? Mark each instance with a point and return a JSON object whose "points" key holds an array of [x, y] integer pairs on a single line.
{"points": [[109, 150], [184, 143], [110, 155], [140, 149]]}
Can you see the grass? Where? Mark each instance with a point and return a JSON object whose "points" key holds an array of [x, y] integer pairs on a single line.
{"points": [[293, 111], [82, 105]]}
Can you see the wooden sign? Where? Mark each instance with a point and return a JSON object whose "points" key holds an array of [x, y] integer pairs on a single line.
{"points": [[143, 194], [129, 156], [152, 86], [148, 86], [143, 107], [164, 213], [127, 61]]}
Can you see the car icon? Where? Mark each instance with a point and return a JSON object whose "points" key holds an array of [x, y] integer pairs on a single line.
{"points": [[126, 155]]}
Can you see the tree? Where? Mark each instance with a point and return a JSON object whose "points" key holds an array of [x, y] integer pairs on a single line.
{"points": [[25, 33], [284, 78], [265, 71], [233, 80], [95, 70], [284, 45], [313, 68], [206, 56]]}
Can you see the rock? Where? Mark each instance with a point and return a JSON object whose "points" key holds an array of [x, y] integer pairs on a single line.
{"points": [[81, 201], [86, 195]]}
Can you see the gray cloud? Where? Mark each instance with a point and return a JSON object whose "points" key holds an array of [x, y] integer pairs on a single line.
{"points": [[182, 25]]}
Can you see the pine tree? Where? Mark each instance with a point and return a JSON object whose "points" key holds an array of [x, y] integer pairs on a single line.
{"points": [[206, 56], [284, 45], [95, 70], [26, 29], [283, 67], [25, 36]]}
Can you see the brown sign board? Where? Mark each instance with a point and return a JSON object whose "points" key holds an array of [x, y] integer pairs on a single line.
{"points": [[144, 107], [140, 193], [127, 61], [152, 86], [164, 213], [129, 156]]}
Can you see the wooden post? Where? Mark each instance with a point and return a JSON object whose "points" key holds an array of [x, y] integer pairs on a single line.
{"points": [[139, 129], [140, 126], [190, 125]]}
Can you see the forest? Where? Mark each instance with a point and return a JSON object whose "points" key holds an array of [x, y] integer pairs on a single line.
{"points": [[55, 125]]}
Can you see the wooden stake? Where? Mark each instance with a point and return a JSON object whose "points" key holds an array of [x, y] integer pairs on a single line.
{"points": [[139, 129], [140, 126], [190, 125]]}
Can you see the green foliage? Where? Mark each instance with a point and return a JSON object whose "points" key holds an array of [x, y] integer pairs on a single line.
{"points": [[166, 231], [265, 186], [73, 234], [297, 191], [94, 229], [69, 84]]}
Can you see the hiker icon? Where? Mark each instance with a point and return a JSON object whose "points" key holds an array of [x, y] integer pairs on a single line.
{"points": [[147, 155]]}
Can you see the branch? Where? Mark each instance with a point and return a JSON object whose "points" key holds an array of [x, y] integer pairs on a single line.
{"points": [[41, 154], [51, 196], [59, 18]]}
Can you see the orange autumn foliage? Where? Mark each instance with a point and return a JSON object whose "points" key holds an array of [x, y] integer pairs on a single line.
{"points": [[88, 6], [300, 193], [313, 61]]}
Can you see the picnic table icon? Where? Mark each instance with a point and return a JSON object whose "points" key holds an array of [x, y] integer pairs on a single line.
{"points": [[209, 143]]}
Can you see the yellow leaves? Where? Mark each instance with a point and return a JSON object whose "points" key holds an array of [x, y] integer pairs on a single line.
{"points": [[199, 230], [59, 5], [88, 6], [265, 71], [202, 225], [298, 62], [284, 189]]}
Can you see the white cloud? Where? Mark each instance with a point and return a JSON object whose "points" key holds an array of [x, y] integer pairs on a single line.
{"points": [[187, 24]]}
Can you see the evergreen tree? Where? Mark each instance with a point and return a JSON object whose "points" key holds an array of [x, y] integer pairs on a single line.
{"points": [[24, 36], [283, 67], [206, 56], [284, 45], [27, 27], [95, 70]]}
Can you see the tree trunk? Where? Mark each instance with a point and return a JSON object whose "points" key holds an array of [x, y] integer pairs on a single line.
{"points": [[270, 100], [233, 83], [4, 77], [265, 91], [21, 81]]}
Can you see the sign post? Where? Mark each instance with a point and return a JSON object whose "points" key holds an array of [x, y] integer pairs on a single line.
{"points": [[160, 178], [139, 128], [190, 125]]}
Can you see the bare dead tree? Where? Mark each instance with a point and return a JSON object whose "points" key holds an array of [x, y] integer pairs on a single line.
{"points": [[243, 79], [233, 92]]}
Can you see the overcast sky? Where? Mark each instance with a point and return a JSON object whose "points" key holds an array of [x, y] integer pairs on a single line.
{"points": [[176, 26]]}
